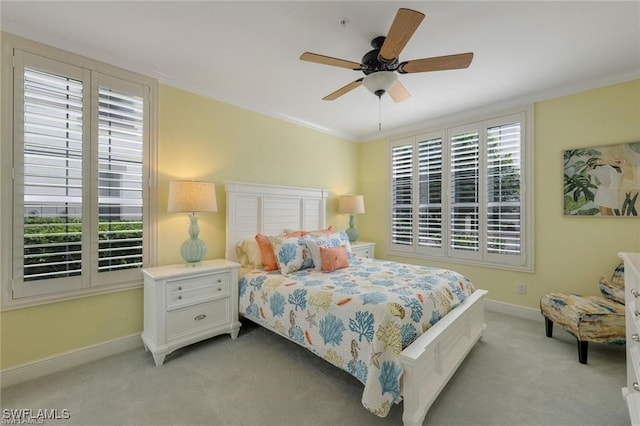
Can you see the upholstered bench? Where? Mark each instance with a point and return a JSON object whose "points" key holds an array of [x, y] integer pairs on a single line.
{"points": [[591, 318]]}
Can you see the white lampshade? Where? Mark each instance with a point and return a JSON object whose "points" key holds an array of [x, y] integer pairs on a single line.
{"points": [[379, 82], [192, 196], [351, 204]]}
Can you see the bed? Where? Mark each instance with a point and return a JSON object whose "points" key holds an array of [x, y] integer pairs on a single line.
{"points": [[402, 330]]}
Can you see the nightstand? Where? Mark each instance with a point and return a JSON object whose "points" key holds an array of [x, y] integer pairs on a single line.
{"points": [[363, 249], [183, 305]]}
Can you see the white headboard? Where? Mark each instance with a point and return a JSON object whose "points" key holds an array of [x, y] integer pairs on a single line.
{"points": [[270, 209]]}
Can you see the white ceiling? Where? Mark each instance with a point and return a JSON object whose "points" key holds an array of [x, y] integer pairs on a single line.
{"points": [[247, 53]]}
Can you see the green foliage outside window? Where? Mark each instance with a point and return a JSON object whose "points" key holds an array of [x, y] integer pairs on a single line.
{"points": [[52, 246]]}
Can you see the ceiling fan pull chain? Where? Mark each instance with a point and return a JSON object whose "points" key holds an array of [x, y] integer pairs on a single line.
{"points": [[379, 113]]}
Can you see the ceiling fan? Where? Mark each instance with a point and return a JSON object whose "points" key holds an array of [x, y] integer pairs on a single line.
{"points": [[379, 65]]}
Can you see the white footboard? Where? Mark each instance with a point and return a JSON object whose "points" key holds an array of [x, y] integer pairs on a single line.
{"points": [[430, 361]]}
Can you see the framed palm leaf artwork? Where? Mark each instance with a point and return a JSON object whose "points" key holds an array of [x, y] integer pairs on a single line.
{"points": [[602, 181]]}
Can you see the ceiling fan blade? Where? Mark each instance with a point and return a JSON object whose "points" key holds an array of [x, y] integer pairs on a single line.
{"points": [[345, 89], [398, 92], [328, 60], [438, 63], [404, 25]]}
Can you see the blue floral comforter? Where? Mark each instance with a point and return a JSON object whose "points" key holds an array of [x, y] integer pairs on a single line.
{"points": [[358, 318]]}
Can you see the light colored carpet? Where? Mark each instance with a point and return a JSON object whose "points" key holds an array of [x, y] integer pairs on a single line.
{"points": [[513, 376]]}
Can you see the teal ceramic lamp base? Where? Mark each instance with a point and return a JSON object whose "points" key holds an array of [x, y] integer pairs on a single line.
{"points": [[194, 249], [352, 232]]}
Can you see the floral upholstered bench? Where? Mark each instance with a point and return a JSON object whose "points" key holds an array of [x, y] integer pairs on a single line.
{"points": [[589, 318]]}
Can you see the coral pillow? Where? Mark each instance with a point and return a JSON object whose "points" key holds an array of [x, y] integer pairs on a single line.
{"points": [[327, 231], [267, 255], [292, 234], [334, 258], [328, 240]]}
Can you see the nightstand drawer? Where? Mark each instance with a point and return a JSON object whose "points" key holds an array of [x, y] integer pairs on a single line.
{"points": [[184, 292], [363, 249], [186, 320], [362, 252]]}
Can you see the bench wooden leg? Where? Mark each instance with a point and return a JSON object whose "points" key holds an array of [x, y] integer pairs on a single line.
{"points": [[583, 348], [548, 327]]}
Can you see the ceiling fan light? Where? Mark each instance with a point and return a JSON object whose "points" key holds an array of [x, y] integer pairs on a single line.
{"points": [[379, 82]]}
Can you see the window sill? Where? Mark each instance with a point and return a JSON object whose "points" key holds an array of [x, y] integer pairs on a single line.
{"points": [[9, 304], [469, 262]]}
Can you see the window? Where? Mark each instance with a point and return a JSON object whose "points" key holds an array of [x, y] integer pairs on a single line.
{"points": [[81, 147], [460, 194]]}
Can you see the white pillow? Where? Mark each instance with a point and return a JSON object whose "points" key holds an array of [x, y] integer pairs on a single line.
{"points": [[336, 239], [248, 254]]}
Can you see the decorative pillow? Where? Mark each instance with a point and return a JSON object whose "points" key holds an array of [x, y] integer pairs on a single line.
{"points": [[614, 288], [249, 254], [291, 254], [266, 253], [334, 258], [289, 233], [336, 239], [328, 230], [293, 234]]}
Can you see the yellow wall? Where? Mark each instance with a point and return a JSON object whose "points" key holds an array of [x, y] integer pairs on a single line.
{"points": [[570, 253], [30, 334], [199, 138], [218, 142]]}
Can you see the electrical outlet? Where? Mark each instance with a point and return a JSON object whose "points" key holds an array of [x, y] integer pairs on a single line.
{"points": [[522, 288]]}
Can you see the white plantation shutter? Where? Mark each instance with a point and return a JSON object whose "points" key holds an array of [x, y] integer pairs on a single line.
{"points": [[52, 175], [80, 143], [469, 194], [504, 203], [464, 191], [402, 195], [430, 226], [120, 179], [48, 168]]}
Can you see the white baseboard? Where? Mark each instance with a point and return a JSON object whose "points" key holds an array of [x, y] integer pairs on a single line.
{"points": [[513, 310], [55, 363]]}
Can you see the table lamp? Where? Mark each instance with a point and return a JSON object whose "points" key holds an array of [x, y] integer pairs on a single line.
{"points": [[192, 196], [352, 205]]}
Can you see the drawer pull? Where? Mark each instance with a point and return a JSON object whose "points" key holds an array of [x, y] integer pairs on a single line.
{"points": [[219, 288], [179, 288], [179, 297], [199, 317], [635, 337], [636, 386], [635, 292], [219, 280]]}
